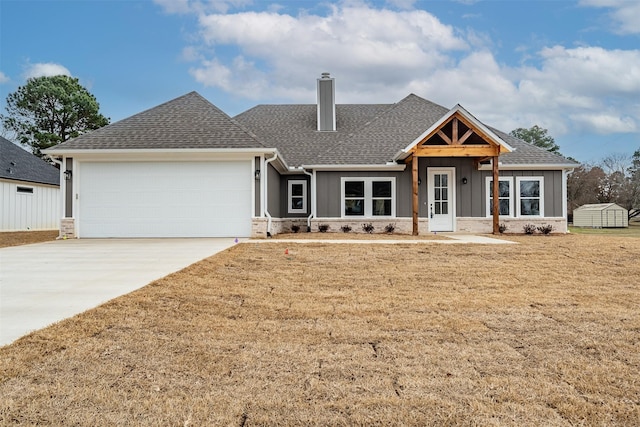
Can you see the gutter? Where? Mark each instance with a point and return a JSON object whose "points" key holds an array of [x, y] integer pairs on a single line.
{"points": [[265, 192], [312, 197]]}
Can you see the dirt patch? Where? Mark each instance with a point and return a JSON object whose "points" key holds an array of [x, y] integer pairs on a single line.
{"points": [[546, 332], [17, 238]]}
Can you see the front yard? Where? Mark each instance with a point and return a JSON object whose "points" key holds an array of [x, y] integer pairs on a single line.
{"points": [[546, 332]]}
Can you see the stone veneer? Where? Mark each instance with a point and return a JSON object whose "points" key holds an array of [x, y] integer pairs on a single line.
{"points": [[402, 225], [67, 228]]}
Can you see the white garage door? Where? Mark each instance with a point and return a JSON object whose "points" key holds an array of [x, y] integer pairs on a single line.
{"points": [[165, 199]]}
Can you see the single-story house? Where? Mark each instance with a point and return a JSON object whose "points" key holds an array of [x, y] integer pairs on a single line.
{"points": [[29, 190], [601, 215], [186, 169]]}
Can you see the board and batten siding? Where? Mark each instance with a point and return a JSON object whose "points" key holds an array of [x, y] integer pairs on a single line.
{"points": [[21, 211], [470, 197], [273, 192]]}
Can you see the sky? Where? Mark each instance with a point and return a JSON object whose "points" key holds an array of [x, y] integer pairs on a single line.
{"points": [[572, 67]]}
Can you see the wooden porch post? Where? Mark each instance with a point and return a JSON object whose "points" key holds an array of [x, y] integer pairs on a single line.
{"points": [[414, 199], [496, 197]]}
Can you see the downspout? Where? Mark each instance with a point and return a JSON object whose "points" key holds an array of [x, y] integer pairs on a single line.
{"points": [[266, 192], [312, 183]]}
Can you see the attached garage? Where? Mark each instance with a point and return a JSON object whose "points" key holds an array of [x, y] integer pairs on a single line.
{"points": [[164, 199]]}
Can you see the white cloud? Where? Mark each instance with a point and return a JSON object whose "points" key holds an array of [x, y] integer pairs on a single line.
{"points": [[603, 123], [3, 78], [380, 55], [45, 69], [624, 13]]}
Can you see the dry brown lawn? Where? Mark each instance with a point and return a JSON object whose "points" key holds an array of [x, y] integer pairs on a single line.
{"points": [[546, 332], [17, 238]]}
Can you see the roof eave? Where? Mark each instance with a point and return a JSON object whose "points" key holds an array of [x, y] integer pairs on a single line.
{"points": [[363, 167], [531, 166]]}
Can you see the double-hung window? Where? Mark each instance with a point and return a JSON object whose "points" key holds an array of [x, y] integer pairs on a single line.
{"points": [[505, 195], [297, 196], [368, 197], [530, 194], [525, 198]]}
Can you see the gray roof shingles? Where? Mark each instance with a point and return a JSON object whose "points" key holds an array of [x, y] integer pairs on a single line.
{"points": [[367, 134], [20, 165], [187, 122]]}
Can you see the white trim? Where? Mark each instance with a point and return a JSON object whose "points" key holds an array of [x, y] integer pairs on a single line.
{"points": [[368, 196], [524, 166], [489, 195], [457, 109], [76, 151], [393, 167], [519, 179], [565, 210], [290, 185]]}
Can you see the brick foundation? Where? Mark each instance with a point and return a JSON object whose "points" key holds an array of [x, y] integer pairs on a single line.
{"points": [[67, 228]]}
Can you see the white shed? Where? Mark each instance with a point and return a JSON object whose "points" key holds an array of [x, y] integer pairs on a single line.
{"points": [[29, 191], [601, 215]]}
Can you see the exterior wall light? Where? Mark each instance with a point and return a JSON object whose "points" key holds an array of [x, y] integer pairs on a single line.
{"points": [[67, 175], [464, 180], [419, 180], [257, 174]]}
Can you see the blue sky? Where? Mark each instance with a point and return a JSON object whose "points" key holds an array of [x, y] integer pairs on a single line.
{"points": [[572, 67]]}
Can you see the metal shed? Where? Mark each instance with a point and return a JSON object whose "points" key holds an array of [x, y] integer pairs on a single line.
{"points": [[601, 215]]}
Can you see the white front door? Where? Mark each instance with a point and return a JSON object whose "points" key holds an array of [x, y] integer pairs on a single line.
{"points": [[441, 198]]}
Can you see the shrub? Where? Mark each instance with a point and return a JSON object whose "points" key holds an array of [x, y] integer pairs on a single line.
{"points": [[368, 228], [295, 228], [545, 228], [345, 228], [502, 228], [390, 228], [323, 228], [529, 228]]}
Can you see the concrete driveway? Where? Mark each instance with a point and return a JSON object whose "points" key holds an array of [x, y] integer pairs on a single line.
{"points": [[46, 282]]}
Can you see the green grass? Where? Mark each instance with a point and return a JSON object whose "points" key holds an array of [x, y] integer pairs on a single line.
{"points": [[632, 231]]}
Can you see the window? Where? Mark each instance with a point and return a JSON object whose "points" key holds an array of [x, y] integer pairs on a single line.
{"points": [[368, 197], [24, 190], [297, 196], [505, 196], [530, 195]]}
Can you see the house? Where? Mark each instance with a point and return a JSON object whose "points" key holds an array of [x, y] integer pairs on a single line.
{"points": [[29, 190], [186, 169], [601, 215]]}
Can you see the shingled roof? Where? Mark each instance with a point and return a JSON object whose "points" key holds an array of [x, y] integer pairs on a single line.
{"points": [[189, 121], [20, 165], [365, 134]]}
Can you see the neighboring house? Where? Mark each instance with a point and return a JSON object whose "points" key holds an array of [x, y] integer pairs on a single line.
{"points": [[29, 190], [186, 169], [601, 215]]}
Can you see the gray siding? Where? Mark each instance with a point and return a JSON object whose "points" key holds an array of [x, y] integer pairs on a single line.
{"points": [[326, 105], [329, 191], [273, 193], [256, 188], [68, 195], [470, 197], [284, 200]]}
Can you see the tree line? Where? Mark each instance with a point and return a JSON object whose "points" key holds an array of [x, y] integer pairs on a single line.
{"points": [[615, 179]]}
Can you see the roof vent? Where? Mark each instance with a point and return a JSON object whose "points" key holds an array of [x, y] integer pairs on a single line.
{"points": [[326, 103]]}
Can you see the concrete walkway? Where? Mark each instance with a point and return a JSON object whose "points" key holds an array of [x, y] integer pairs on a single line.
{"points": [[46, 282]]}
